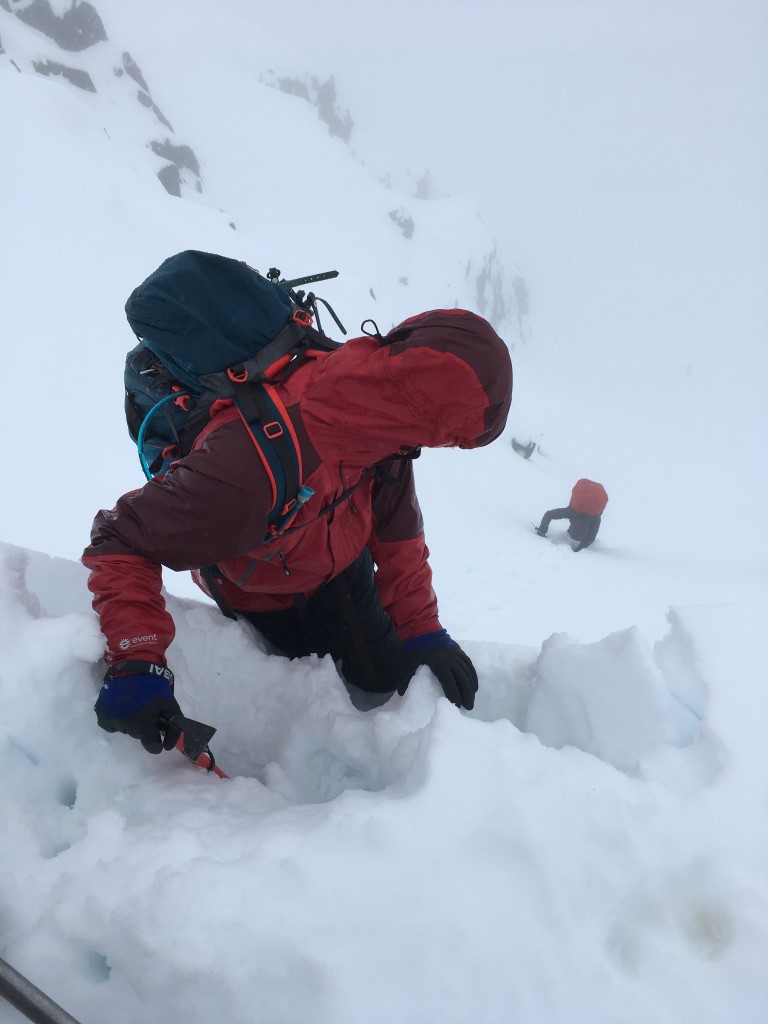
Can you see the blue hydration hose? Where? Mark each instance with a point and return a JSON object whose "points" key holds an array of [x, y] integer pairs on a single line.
{"points": [[145, 424]]}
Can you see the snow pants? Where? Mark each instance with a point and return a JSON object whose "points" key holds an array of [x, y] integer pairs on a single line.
{"points": [[345, 619]]}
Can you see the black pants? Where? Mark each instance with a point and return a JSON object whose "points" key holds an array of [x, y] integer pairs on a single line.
{"points": [[345, 619]]}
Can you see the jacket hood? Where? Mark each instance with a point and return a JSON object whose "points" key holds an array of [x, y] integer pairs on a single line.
{"points": [[440, 379]]}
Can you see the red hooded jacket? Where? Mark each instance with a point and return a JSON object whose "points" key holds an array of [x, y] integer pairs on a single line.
{"points": [[443, 378]]}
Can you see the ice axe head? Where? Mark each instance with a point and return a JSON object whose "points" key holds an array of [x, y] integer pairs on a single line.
{"points": [[195, 735]]}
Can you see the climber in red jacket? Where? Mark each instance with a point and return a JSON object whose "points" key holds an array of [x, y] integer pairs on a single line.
{"points": [[351, 580], [583, 512]]}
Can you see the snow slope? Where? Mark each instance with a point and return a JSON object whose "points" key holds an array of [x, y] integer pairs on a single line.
{"points": [[587, 844]]}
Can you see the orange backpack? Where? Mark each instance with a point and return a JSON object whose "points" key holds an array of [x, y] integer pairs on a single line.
{"points": [[588, 497]]}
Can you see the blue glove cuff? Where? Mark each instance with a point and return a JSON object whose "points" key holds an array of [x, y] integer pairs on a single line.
{"points": [[135, 666], [429, 641], [125, 696]]}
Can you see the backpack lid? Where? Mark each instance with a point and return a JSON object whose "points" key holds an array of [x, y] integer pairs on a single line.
{"points": [[203, 313], [588, 497]]}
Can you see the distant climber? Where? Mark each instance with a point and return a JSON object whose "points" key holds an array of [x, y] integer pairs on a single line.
{"points": [[583, 512]]}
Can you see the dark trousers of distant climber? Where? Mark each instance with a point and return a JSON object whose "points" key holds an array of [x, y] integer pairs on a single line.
{"points": [[345, 619]]}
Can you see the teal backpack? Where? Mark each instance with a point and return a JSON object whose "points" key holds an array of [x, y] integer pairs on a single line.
{"points": [[210, 329]]}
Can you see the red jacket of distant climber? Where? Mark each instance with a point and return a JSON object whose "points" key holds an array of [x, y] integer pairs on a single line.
{"points": [[443, 378]]}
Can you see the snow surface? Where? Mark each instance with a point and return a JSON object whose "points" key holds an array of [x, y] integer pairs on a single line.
{"points": [[590, 843]]}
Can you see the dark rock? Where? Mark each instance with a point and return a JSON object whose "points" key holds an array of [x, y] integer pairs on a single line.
{"points": [[132, 69], [489, 290], [74, 30], [322, 96], [181, 156], [76, 76], [325, 101], [404, 221], [170, 179], [522, 297], [525, 449]]}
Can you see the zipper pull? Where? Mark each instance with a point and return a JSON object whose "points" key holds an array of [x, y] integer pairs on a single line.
{"points": [[281, 556]]}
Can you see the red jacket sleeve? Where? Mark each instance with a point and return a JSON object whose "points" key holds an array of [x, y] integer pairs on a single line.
{"points": [[128, 600], [398, 547], [210, 506]]}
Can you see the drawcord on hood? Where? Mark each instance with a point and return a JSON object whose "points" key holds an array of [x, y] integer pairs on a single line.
{"points": [[375, 333], [349, 491], [406, 452]]}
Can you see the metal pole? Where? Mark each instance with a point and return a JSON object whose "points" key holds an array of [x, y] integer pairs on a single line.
{"points": [[28, 999]]}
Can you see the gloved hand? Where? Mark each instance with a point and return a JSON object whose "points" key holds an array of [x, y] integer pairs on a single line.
{"points": [[541, 533], [450, 665], [137, 698]]}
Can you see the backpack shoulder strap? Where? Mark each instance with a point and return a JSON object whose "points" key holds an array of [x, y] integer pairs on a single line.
{"points": [[252, 385], [271, 431]]}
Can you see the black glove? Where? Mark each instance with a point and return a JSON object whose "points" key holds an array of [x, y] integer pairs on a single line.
{"points": [[449, 664], [541, 533], [136, 698]]}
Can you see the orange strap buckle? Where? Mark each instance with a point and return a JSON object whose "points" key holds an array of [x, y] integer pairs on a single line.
{"points": [[183, 400], [273, 430]]}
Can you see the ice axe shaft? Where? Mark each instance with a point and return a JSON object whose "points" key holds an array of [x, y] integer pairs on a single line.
{"points": [[29, 999]]}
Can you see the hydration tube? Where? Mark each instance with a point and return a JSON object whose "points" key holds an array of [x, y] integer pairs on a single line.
{"points": [[145, 423]]}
